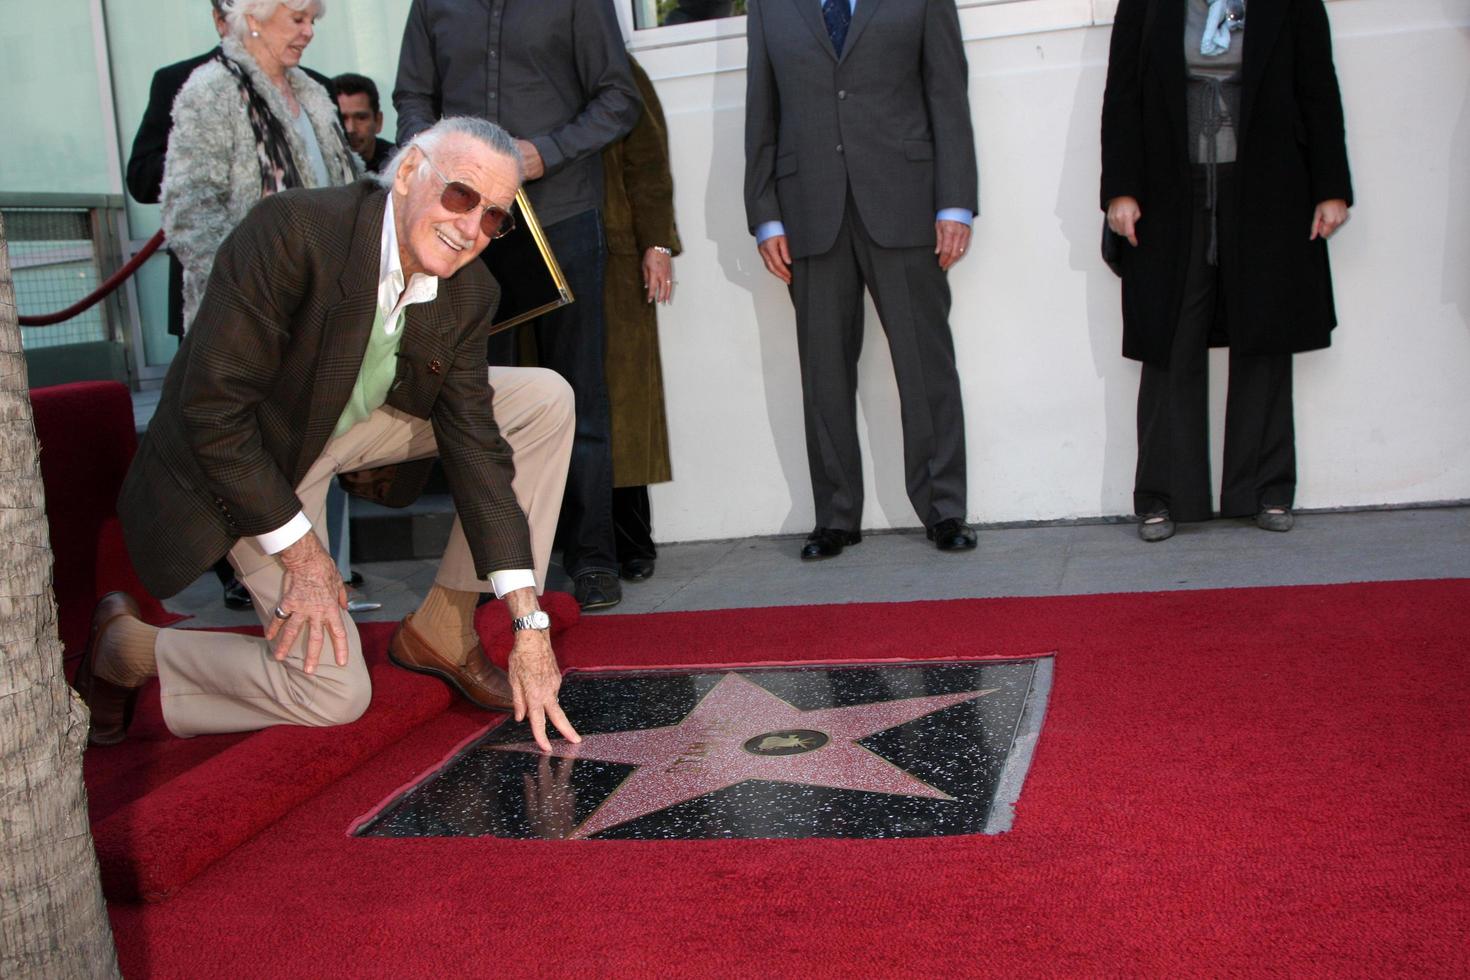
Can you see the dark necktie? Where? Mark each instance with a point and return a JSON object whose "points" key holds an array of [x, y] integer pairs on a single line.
{"points": [[837, 14]]}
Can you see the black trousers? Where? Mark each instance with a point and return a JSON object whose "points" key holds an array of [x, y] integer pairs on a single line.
{"points": [[633, 523], [911, 293], [571, 341], [1173, 403]]}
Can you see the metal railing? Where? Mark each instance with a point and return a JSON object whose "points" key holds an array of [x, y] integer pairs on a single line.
{"points": [[63, 247]]}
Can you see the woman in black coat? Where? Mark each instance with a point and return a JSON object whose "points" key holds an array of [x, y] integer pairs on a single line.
{"points": [[1225, 169]]}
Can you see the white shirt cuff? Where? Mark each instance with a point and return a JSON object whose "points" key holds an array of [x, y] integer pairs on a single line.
{"points": [[510, 579], [273, 542]]}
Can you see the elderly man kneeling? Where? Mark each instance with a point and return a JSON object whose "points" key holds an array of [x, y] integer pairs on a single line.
{"points": [[343, 332]]}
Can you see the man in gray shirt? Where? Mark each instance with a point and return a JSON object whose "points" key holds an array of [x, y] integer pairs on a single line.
{"points": [[554, 74]]}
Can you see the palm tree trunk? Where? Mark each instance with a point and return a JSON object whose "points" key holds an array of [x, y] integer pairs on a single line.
{"points": [[53, 921]]}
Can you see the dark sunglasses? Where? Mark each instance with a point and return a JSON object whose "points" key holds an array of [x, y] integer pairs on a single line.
{"points": [[495, 221]]}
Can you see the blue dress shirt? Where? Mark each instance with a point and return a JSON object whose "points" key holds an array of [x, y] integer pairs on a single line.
{"points": [[770, 229]]}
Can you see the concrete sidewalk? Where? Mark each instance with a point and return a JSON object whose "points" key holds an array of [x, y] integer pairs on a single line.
{"points": [[1033, 561]]}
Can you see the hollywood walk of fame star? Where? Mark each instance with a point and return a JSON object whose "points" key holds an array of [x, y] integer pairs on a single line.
{"points": [[707, 750]]}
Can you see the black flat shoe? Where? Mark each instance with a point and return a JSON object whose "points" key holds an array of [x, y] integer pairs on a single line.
{"points": [[637, 569], [952, 534], [827, 542], [1273, 518], [597, 590], [237, 596], [1155, 527]]}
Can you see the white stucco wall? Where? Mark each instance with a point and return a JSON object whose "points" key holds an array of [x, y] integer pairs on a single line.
{"points": [[1382, 417]]}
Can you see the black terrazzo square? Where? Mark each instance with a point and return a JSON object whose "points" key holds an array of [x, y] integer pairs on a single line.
{"points": [[910, 750]]}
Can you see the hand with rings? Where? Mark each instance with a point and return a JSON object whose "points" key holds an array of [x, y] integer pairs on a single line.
{"points": [[312, 603], [658, 274]]}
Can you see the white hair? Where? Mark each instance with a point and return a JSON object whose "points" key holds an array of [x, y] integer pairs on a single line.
{"points": [[235, 11], [481, 130]]}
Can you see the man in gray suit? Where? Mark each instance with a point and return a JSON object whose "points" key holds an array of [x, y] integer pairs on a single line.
{"points": [[860, 170]]}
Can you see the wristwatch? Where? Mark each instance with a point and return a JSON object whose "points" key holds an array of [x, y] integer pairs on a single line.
{"points": [[662, 250], [536, 620]]}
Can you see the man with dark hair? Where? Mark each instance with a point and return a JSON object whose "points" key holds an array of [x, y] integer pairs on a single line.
{"points": [[554, 73], [362, 118]]}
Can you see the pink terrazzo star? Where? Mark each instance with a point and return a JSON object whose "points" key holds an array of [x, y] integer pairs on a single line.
{"points": [[706, 751]]}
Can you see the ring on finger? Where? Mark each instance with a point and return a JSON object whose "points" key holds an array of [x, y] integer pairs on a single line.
{"points": [[281, 613]]}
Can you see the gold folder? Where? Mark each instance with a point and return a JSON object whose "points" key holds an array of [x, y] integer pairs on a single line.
{"points": [[531, 280]]}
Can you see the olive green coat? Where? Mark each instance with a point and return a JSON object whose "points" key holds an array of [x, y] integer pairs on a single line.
{"points": [[638, 211]]}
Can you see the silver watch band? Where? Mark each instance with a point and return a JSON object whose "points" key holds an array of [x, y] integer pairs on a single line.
{"points": [[535, 620]]}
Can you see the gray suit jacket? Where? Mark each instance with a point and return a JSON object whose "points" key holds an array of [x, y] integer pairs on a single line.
{"points": [[260, 381], [890, 118]]}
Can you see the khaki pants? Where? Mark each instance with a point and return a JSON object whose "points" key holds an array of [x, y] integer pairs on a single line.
{"points": [[222, 682]]}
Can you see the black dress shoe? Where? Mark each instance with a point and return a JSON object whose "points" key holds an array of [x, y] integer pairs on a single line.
{"points": [[828, 542], [952, 534], [597, 590], [637, 569], [237, 596]]}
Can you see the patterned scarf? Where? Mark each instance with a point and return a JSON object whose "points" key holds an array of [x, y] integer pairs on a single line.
{"points": [[277, 168]]}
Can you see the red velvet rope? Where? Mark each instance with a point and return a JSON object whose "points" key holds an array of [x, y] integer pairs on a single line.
{"points": [[100, 293]]}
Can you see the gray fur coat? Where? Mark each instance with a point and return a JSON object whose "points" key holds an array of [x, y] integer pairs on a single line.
{"points": [[211, 175]]}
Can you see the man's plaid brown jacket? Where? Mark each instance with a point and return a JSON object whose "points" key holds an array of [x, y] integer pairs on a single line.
{"points": [[263, 375]]}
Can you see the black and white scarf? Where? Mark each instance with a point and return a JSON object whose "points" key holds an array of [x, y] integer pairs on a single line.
{"points": [[272, 150]]}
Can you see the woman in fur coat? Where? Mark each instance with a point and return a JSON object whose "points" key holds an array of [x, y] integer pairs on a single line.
{"points": [[247, 123]]}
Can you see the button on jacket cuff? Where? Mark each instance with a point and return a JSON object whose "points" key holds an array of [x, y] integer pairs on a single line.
{"points": [[768, 229], [274, 542]]}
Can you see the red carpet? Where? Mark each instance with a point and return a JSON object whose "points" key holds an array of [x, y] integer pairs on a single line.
{"points": [[165, 808], [86, 436], [1262, 781]]}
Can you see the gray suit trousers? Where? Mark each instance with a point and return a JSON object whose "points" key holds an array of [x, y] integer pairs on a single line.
{"points": [[911, 293]]}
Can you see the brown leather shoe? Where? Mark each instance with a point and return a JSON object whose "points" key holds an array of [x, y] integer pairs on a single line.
{"points": [[480, 681], [111, 704]]}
